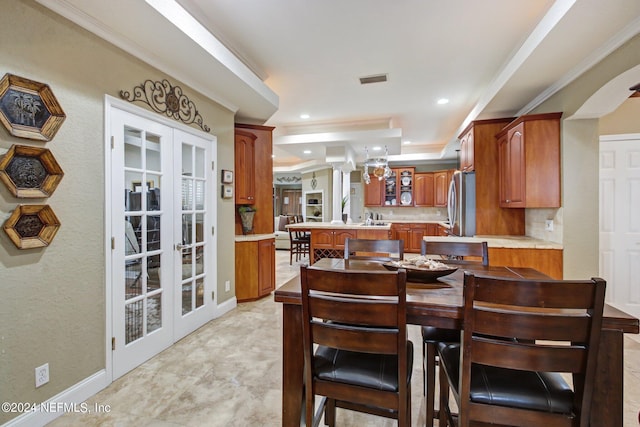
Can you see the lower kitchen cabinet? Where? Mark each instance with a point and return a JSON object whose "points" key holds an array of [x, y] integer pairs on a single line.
{"points": [[412, 234], [547, 261], [255, 269]]}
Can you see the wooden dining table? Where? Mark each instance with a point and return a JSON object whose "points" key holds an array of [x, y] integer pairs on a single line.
{"points": [[441, 304]]}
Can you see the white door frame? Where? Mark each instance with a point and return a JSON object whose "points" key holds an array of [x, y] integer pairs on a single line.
{"points": [[109, 103]]}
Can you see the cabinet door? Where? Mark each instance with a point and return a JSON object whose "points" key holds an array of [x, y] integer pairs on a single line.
{"points": [[515, 185], [266, 266], [441, 188], [405, 183], [322, 238], [467, 152], [373, 192], [390, 190], [416, 233], [339, 236], [244, 167], [401, 232], [503, 169], [424, 190]]}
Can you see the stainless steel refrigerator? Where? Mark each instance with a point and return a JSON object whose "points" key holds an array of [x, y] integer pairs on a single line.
{"points": [[461, 204]]}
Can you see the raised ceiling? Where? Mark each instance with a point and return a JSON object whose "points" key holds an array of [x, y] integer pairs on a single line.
{"points": [[271, 61]]}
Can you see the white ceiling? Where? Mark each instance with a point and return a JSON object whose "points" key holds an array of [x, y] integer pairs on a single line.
{"points": [[270, 61]]}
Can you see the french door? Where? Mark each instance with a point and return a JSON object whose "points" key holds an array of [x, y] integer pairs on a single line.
{"points": [[162, 252], [619, 220]]}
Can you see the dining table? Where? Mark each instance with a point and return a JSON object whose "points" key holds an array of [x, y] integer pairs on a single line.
{"points": [[440, 303]]}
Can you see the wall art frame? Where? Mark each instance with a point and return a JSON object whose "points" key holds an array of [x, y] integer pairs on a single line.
{"points": [[30, 172], [29, 109], [32, 226]]}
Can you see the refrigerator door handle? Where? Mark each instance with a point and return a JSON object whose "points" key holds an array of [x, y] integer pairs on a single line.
{"points": [[451, 203]]}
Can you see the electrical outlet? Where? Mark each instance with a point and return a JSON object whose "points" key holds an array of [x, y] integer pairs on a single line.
{"points": [[548, 225], [42, 375], [227, 286]]}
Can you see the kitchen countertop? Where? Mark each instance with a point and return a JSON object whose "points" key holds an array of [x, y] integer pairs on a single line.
{"points": [[513, 242]]}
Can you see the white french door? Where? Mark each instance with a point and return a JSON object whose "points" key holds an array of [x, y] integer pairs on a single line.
{"points": [[620, 221], [162, 254]]}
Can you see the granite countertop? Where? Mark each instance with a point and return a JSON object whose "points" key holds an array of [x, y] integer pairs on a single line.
{"points": [[513, 242]]}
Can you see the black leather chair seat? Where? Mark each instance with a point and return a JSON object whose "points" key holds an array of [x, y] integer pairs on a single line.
{"points": [[541, 391], [369, 370], [437, 335]]}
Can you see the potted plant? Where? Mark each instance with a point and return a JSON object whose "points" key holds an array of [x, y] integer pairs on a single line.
{"points": [[345, 216], [247, 213]]}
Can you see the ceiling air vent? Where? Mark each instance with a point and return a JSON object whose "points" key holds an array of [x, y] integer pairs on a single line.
{"points": [[378, 78]]}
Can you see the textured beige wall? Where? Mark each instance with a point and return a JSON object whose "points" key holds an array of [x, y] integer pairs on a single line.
{"points": [[580, 160], [52, 303], [625, 119]]}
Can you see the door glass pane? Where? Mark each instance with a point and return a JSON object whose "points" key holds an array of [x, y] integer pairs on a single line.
{"points": [[133, 278], [187, 263], [153, 153], [199, 162], [186, 297], [133, 320], [199, 292], [187, 225], [154, 312], [153, 192], [187, 160], [133, 191], [199, 227], [153, 273], [199, 194], [199, 260], [132, 148], [187, 193], [153, 233]]}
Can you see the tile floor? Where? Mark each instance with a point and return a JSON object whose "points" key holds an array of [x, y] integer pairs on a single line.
{"points": [[228, 373]]}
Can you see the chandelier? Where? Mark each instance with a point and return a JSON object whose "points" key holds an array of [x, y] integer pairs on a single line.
{"points": [[379, 164]]}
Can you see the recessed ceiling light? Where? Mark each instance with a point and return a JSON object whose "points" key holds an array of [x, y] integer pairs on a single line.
{"points": [[304, 116], [376, 148], [273, 156], [307, 151], [443, 101], [407, 142]]}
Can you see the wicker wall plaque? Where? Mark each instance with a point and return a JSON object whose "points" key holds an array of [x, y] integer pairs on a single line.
{"points": [[30, 171], [28, 109], [32, 226]]}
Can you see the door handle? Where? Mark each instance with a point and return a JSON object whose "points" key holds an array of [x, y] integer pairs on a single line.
{"points": [[180, 247]]}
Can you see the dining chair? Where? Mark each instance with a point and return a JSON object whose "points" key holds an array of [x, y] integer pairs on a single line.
{"points": [[363, 360], [372, 249], [300, 243], [520, 337], [457, 253]]}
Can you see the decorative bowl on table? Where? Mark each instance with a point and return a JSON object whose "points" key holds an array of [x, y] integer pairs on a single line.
{"points": [[421, 269]]}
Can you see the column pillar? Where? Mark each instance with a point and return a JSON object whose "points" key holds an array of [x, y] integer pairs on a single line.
{"points": [[337, 197], [346, 191]]}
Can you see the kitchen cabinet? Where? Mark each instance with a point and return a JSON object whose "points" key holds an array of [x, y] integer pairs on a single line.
{"points": [[396, 190], [529, 162], [547, 261], [441, 188], [467, 151], [491, 219], [373, 192], [329, 242], [412, 234], [255, 269], [424, 189], [254, 174], [244, 167]]}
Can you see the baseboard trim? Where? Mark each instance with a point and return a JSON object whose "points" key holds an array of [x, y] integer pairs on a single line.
{"points": [[69, 399], [227, 306]]}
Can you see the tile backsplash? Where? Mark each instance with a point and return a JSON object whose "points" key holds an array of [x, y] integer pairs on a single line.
{"points": [[408, 214], [535, 224]]}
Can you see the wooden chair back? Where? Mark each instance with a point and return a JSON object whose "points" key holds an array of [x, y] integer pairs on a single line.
{"points": [[543, 326], [375, 250], [458, 252], [355, 311]]}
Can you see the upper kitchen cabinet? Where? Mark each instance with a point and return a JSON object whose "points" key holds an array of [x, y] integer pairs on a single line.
{"points": [[254, 174], [396, 190], [529, 162], [244, 166], [467, 151], [441, 180], [423, 189]]}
